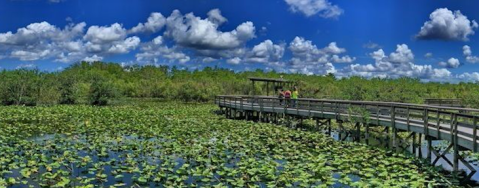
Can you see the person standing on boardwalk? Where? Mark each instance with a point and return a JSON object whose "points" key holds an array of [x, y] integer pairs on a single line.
{"points": [[295, 96], [287, 97], [280, 96]]}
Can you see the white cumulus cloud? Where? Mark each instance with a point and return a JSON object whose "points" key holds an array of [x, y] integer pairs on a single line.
{"points": [[39, 41], [323, 8], [105, 34], [447, 25], [266, 52], [216, 17], [194, 32], [125, 46], [305, 52], [396, 64], [155, 23], [451, 63], [93, 58], [344, 59], [469, 77], [234, 61], [309, 59], [151, 52], [466, 50]]}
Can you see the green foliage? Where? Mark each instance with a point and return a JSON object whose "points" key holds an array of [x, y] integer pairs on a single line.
{"points": [[358, 114], [185, 145], [471, 98], [101, 90], [73, 85], [20, 87], [67, 90]]}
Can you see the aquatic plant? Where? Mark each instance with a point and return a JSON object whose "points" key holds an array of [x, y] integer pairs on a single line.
{"points": [[177, 145]]}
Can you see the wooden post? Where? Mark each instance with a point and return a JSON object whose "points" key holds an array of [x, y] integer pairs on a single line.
{"points": [[395, 140], [377, 115], [340, 123], [419, 146], [387, 137], [408, 121], [301, 122], [267, 88], [254, 90], [329, 127], [358, 131], [456, 147], [474, 134], [288, 120], [367, 133], [429, 148], [438, 125], [426, 123], [414, 144], [393, 124]]}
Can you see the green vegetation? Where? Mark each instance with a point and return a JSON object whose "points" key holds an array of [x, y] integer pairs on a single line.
{"points": [[65, 139], [175, 145], [97, 83]]}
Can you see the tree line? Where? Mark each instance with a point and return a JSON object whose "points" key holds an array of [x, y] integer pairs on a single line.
{"points": [[97, 83]]}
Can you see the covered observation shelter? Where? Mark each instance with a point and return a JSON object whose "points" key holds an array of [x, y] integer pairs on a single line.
{"points": [[270, 84]]}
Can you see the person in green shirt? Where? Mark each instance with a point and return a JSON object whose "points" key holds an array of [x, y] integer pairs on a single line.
{"points": [[295, 96]]}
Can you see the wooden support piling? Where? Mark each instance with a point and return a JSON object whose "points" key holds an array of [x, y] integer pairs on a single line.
{"points": [[395, 144], [429, 148], [358, 131], [301, 122], [456, 147], [419, 146], [414, 144], [329, 127], [367, 133], [340, 131], [430, 121], [387, 137]]}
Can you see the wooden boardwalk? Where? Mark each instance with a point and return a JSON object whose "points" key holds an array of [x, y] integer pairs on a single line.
{"points": [[458, 126]]}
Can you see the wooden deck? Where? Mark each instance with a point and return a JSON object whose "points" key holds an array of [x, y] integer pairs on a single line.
{"points": [[456, 125]]}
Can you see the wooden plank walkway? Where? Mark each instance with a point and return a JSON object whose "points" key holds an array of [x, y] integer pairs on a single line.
{"points": [[456, 125]]}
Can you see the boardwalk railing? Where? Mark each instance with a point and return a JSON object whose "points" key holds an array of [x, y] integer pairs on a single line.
{"points": [[456, 125], [444, 123], [444, 102]]}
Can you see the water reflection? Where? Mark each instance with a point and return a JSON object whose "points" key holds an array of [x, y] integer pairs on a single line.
{"points": [[386, 143]]}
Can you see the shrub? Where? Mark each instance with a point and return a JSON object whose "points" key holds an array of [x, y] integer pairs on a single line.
{"points": [[101, 91], [19, 87], [67, 90]]}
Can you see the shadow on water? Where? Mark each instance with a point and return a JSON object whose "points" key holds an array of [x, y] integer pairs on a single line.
{"points": [[445, 167], [113, 161], [105, 175], [103, 170]]}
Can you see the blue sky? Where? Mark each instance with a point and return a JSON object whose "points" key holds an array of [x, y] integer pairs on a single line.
{"points": [[430, 40]]}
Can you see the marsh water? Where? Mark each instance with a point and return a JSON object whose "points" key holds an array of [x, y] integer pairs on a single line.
{"points": [[385, 143], [128, 179]]}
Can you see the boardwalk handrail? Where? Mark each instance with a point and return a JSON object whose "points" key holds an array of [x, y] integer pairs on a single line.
{"points": [[453, 124], [360, 102], [442, 123]]}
